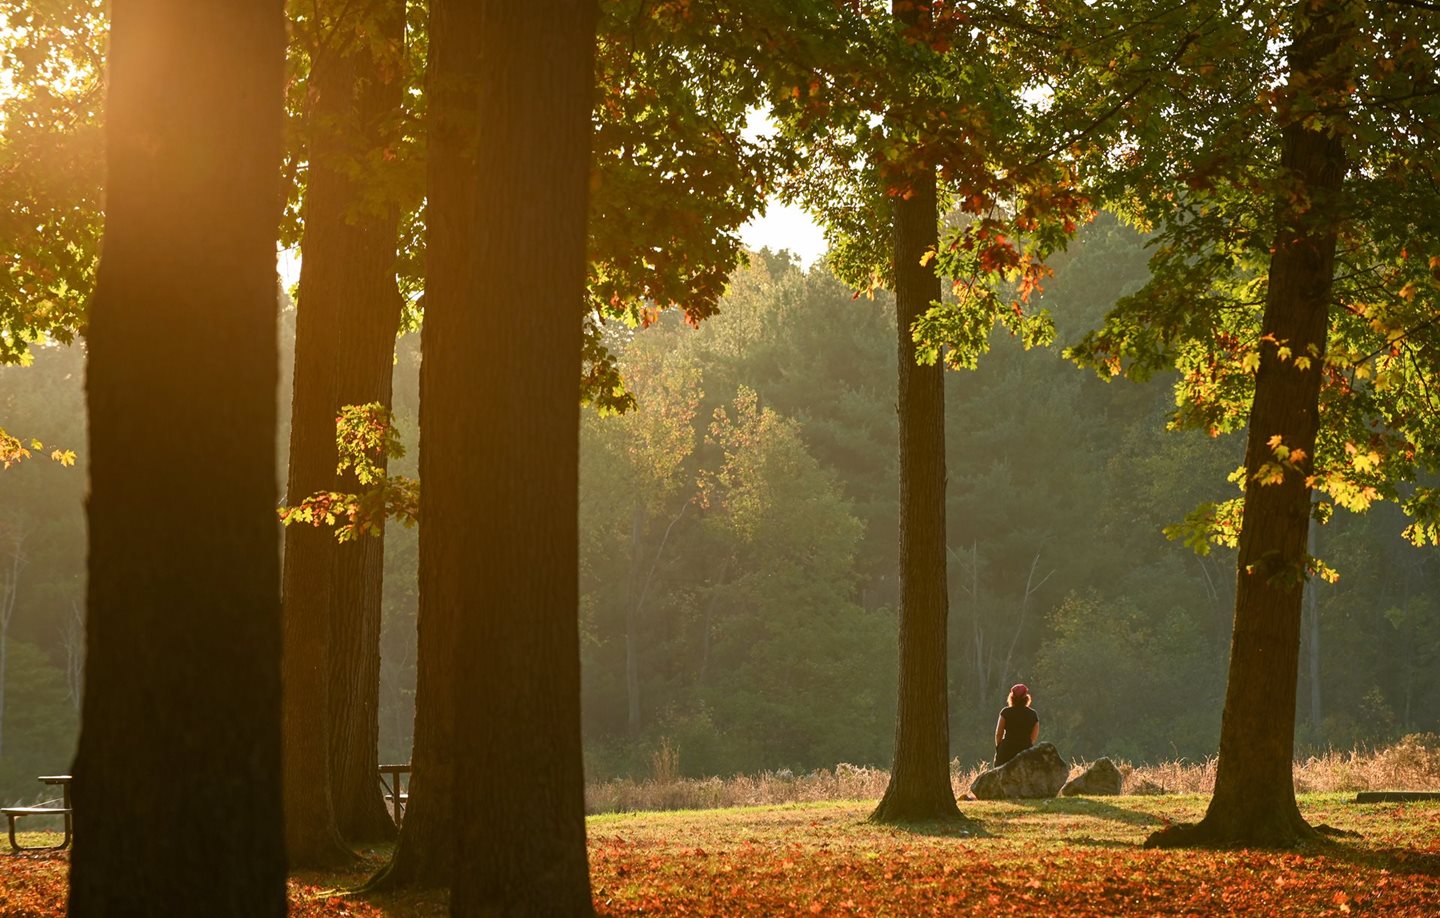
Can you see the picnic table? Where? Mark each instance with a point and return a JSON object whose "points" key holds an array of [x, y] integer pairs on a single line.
{"points": [[392, 779], [396, 792], [13, 813]]}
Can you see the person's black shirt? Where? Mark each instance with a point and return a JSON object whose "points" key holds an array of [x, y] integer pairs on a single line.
{"points": [[1019, 721]]}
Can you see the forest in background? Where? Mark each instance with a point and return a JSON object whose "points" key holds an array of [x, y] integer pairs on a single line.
{"points": [[738, 550]]}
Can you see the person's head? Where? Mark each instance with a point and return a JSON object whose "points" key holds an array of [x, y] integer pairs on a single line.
{"points": [[1019, 695]]}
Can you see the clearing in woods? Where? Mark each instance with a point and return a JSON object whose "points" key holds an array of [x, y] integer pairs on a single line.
{"points": [[1063, 856]]}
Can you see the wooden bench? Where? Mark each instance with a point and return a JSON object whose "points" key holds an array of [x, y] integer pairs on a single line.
{"points": [[395, 791], [13, 813]]}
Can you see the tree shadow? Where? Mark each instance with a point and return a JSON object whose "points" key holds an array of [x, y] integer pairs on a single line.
{"points": [[964, 827], [1355, 852], [1089, 806], [1090, 841]]}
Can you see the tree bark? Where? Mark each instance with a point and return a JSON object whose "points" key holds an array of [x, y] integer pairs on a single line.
{"points": [[374, 71], [516, 338], [919, 787], [177, 777], [424, 852], [1254, 800], [348, 314]]}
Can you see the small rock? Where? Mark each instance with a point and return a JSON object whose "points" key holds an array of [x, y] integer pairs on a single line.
{"points": [[1101, 779], [1146, 788], [1037, 772]]}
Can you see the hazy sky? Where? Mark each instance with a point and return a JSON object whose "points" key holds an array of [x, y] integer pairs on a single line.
{"points": [[785, 226]]}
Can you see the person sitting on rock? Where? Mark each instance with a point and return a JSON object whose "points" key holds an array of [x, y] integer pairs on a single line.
{"points": [[1018, 727]]}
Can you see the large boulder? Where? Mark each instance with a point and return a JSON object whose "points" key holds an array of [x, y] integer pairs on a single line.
{"points": [[1101, 779], [1037, 772]]}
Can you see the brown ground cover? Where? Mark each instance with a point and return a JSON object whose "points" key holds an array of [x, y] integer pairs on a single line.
{"points": [[1070, 857]]}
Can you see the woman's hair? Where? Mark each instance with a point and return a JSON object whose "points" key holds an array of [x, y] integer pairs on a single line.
{"points": [[1016, 703]]}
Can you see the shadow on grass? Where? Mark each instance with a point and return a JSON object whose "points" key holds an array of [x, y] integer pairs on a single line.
{"points": [[1089, 806], [1090, 841], [964, 827], [1358, 854]]}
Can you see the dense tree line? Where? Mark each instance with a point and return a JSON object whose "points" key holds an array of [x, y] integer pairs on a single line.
{"points": [[1059, 570]]}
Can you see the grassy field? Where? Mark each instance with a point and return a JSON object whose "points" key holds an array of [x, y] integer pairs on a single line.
{"points": [[1068, 856]]}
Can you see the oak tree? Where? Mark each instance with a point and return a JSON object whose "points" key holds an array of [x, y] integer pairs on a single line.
{"points": [[181, 714]]}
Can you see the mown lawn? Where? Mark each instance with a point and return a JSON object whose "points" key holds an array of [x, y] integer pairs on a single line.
{"points": [[1074, 857]]}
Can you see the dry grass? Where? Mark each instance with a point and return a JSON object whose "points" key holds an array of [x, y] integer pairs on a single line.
{"points": [[1411, 764]]}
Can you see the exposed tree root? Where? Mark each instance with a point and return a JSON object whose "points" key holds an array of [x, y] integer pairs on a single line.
{"points": [[1247, 831], [897, 809]]}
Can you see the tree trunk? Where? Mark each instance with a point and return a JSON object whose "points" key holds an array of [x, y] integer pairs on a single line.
{"points": [[177, 776], [1254, 801], [424, 852], [374, 86], [919, 787], [360, 808], [520, 789], [348, 313]]}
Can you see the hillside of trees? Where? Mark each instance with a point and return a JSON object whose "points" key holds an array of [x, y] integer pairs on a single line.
{"points": [[738, 550]]}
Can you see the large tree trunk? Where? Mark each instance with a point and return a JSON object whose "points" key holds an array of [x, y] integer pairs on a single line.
{"points": [[348, 313], [919, 787], [424, 852], [516, 337], [1254, 801], [177, 777], [373, 75]]}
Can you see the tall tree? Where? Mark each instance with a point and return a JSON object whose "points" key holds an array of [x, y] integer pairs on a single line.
{"points": [[662, 121], [514, 336], [1254, 800], [896, 95], [183, 668], [919, 785], [348, 314], [424, 852], [1284, 176]]}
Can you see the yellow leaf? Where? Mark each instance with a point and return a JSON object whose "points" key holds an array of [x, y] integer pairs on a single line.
{"points": [[1367, 461], [1283, 353], [1302, 363], [1250, 362], [1271, 473]]}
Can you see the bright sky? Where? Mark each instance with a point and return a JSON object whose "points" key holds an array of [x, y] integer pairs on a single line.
{"points": [[785, 226]]}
